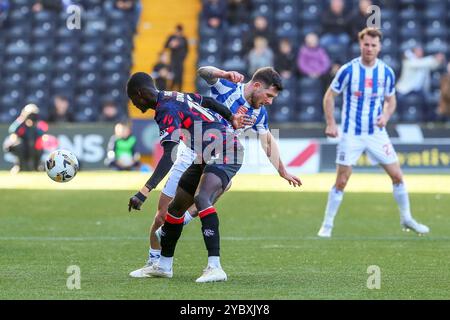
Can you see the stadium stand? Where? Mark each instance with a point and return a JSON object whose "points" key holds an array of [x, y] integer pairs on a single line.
{"points": [[404, 23], [40, 58]]}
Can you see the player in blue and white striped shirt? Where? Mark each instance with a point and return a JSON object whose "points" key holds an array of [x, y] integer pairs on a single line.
{"points": [[250, 98], [368, 88]]}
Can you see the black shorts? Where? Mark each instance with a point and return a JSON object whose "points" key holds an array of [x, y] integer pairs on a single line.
{"points": [[191, 177]]}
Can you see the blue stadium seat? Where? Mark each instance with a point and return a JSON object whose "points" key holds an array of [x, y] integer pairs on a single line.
{"points": [[310, 113], [235, 63], [287, 30], [436, 46], [411, 108], [281, 113]]}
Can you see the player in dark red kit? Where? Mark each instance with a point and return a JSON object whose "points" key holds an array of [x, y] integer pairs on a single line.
{"points": [[219, 158]]}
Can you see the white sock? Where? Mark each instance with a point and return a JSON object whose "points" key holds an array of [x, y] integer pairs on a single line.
{"points": [[402, 198], [334, 201], [166, 263], [153, 255], [187, 218], [214, 262]]}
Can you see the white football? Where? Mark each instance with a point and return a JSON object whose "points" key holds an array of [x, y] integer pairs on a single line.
{"points": [[61, 165]]}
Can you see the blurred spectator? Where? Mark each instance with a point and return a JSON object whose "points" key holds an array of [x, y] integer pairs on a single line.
{"points": [[4, 7], [60, 111], [131, 7], [335, 25], [260, 29], [55, 5], [238, 12], [214, 12], [25, 139], [162, 72], [444, 102], [415, 77], [178, 46], [313, 60], [359, 17], [260, 56], [121, 153], [285, 59], [110, 112]]}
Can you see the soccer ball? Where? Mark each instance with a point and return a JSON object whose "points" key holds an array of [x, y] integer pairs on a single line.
{"points": [[61, 166]]}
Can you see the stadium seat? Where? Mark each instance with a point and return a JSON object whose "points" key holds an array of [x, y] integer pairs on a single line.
{"points": [[436, 28], [411, 108], [18, 47], [281, 113], [287, 30], [236, 63], [436, 46], [307, 84], [310, 113]]}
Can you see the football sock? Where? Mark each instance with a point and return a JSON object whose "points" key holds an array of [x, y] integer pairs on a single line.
{"points": [[170, 233], [187, 218], [166, 263], [214, 262], [210, 229], [402, 198], [334, 201], [153, 255]]}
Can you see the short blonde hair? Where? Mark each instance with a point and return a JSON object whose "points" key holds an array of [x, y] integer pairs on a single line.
{"points": [[372, 32]]}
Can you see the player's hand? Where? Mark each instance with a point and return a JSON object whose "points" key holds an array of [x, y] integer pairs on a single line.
{"points": [[293, 180], [136, 201], [382, 121], [233, 76], [240, 120], [331, 130]]}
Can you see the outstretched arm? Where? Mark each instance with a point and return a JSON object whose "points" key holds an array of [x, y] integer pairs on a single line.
{"points": [[160, 172], [211, 74], [272, 151]]}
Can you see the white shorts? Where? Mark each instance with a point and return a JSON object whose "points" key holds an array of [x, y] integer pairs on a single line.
{"points": [[185, 157], [378, 147]]}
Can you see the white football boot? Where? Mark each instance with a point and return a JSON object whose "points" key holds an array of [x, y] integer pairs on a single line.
{"points": [[211, 274], [325, 231], [142, 272], [413, 225], [156, 271]]}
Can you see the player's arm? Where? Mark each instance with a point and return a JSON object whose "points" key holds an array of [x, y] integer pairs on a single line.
{"points": [[237, 120], [270, 147], [163, 167], [390, 104], [211, 74], [331, 129]]}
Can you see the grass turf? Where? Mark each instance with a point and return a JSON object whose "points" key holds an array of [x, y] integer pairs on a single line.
{"points": [[269, 247]]}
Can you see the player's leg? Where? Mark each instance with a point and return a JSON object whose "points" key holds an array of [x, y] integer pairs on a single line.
{"points": [[158, 221], [381, 150], [348, 152], [210, 188], [335, 197], [192, 212], [189, 215], [402, 198], [154, 252], [173, 224], [185, 157]]}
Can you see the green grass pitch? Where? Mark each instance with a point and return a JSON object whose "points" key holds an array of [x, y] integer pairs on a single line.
{"points": [[269, 244]]}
